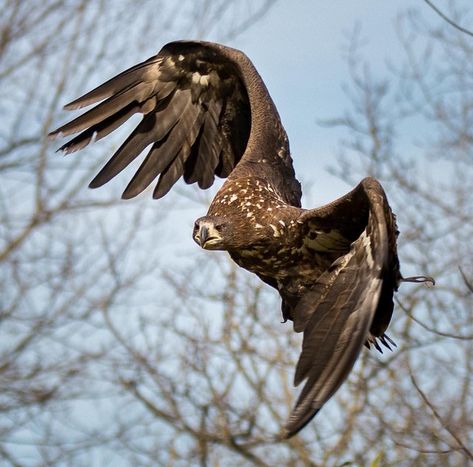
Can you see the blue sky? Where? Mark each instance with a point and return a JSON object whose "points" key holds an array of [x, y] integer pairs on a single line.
{"points": [[298, 49]]}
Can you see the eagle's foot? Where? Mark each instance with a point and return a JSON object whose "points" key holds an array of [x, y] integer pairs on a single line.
{"points": [[384, 339]]}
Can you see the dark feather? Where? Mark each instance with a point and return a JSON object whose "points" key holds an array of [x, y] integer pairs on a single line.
{"points": [[100, 130], [174, 149], [172, 173], [106, 109], [210, 146], [183, 81], [206, 151], [114, 85], [337, 313]]}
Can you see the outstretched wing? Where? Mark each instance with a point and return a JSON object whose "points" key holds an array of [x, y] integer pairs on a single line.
{"points": [[196, 118], [337, 313]]}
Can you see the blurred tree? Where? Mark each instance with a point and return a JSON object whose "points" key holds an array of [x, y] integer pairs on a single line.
{"points": [[111, 355], [69, 259], [413, 130]]}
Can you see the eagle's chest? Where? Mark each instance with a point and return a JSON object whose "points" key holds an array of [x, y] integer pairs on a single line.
{"points": [[267, 236], [282, 259], [274, 261], [285, 255]]}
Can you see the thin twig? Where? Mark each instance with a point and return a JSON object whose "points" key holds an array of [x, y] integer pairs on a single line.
{"points": [[468, 284], [447, 19], [437, 416], [430, 328]]}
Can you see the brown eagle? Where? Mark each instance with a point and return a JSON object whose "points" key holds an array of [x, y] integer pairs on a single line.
{"points": [[207, 112]]}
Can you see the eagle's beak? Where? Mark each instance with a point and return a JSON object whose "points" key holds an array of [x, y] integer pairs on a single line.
{"points": [[203, 236], [208, 237]]}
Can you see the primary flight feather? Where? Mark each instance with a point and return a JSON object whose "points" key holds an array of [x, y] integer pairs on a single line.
{"points": [[206, 113]]}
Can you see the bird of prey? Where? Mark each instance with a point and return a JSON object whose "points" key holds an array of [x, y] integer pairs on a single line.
{"points": [[206, 113]]}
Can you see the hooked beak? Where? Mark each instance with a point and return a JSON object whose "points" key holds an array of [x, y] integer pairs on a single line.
{"points": [[207, 238], [202, 236]]}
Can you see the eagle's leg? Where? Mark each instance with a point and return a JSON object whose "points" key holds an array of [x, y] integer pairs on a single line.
{"points": [[419, 279]]}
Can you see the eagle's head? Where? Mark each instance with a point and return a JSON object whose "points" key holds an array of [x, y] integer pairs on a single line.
{"points": [[212, 233]]}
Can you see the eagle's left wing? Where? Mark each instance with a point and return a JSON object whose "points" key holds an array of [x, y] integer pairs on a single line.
{"points": [[337, 313]]}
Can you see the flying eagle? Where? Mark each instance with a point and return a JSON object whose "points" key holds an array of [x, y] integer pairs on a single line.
{"points": [[207, 112]]}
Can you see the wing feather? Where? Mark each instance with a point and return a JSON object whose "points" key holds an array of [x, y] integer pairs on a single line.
{"points": [[137, 93], [336, 314], [196, 117], [208, 146], [174, 149], [101, 129], [169, 176], [153, 128], [123, 80]]}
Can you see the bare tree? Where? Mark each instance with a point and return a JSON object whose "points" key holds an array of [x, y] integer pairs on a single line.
{"points": [[413, 130], [70, 260], [112, 355]]}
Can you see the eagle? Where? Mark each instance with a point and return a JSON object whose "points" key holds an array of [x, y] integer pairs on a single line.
{"points": [[207, 113]]}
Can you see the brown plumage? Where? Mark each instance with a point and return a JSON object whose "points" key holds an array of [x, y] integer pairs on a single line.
{"points": [[206, 113]]}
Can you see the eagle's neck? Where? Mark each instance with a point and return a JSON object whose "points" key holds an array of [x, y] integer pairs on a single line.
{"points": [[267, 132]]}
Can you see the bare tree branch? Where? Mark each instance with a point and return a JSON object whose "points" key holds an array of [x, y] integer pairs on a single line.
{"points": [[445, 425], [447, 19]]}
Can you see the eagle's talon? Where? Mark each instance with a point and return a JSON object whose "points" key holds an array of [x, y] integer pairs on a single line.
{"points": [[427, 280]]}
